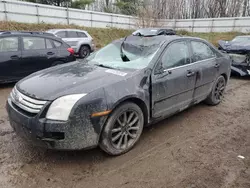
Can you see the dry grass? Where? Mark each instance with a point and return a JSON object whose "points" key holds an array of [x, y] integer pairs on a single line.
{"points": [[104, 36], [101, 36]]}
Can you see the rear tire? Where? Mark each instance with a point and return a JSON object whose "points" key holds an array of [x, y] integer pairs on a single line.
{"points": [[216, 95], [84, 51], [122, 129]]}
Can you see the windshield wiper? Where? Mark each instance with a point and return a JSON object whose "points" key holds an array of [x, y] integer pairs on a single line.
{"points": [[104, 66], [123, 56]]}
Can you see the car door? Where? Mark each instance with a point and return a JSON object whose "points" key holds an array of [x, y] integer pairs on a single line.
{"points": [[10, 54], [173, 81], [208, 69], [35, 55], [72, 39]]}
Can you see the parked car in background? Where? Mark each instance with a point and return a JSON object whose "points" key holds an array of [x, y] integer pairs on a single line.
{"points": [[108, 99], [23, 53], [149, 32], [239, 51], [79, 40]]}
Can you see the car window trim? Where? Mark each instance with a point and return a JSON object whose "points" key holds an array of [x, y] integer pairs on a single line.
{"points": [[164, 50], [189, 64], [191, 48]]}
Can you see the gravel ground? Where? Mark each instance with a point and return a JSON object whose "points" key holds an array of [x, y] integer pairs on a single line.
{"points": [[194, 149]]}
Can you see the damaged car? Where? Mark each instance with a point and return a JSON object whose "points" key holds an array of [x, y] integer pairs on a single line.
{"points": [[151, 32], [109, 98], [239, 51]]}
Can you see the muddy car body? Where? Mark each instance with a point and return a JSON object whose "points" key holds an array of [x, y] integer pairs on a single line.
{"points": [[239, 51], [108, 99]]}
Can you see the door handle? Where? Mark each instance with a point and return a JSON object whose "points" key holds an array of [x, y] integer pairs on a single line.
{"points": [[190, 73], [14, 57], [217, 65], [50, 53]]}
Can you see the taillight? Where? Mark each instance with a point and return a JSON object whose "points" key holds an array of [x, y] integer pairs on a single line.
{"points": [[71, 51]]}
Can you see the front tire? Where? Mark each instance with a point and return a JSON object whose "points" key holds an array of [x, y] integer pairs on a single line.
{"points": [[216, 95], [123, 129]]}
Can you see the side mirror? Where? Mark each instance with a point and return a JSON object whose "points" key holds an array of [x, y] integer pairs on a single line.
{"points": [[159, 69], [161, 72]]}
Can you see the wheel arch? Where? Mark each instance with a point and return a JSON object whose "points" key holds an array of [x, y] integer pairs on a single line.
{"points": [[225, 76], [139, 102], [84, 45]]}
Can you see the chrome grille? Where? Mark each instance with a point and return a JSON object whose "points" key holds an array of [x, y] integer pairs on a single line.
{"points": [[26, 103]]}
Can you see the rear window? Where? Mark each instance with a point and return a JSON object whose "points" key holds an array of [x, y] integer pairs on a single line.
{"points": [[34, 43], [201, 51], [9, 44], [82, 35], [72, 34], [57, 44]]}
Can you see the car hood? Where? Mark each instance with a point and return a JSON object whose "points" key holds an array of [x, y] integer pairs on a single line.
{"points": [[72, 78], [231, 46]]}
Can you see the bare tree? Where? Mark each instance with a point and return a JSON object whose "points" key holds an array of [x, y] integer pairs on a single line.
{"points": [[179, 9]]}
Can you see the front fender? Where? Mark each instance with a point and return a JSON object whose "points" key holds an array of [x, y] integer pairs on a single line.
{"points": [[135, 89], [84, 129]]}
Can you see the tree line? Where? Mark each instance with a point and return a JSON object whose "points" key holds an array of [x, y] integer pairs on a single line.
{"points": [[161, 9]]}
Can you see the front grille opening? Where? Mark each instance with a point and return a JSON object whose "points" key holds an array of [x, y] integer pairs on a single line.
{"points": [[23, 111], [54, 135], [26, 103]]}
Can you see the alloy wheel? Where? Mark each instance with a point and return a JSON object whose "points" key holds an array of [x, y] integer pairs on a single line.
{"points": [[125, 130], [219, 90]]}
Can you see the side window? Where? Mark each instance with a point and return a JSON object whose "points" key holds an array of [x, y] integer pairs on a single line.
{"points": [[201, 51], [177, 54], [61, 34], [81, 35], [33, 43], [57, 44], [72, 34], [48, 44], [9, 44]]}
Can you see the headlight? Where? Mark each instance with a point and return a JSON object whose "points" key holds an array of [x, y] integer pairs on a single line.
{"points": [[61, 107]]}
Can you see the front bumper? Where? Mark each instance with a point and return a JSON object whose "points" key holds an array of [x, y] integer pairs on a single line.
{"points": [[75, 134], [71, 58], [241, 70]]}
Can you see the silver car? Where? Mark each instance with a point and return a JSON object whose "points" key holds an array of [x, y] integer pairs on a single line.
{"points": [[79, 40]]}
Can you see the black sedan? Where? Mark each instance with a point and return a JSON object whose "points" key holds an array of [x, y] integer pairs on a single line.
{"points": [[23, 53], [108, 99]]}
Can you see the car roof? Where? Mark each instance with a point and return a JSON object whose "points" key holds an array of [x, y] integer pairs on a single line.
{"points": [[56, 30], [163, 38], [135, 40], [37, 33], [154, 31], [31, 34]]}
